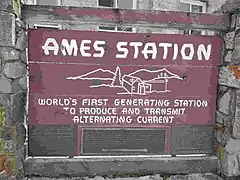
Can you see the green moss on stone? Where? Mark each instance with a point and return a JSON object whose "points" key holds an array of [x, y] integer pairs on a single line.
{"points": [[2, 120], [11, 155], [17, 7]]}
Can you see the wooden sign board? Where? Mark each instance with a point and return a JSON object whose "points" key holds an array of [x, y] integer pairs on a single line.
{"points": [[101, 93]]}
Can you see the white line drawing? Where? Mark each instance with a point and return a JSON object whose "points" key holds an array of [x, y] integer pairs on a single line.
{"points": [[139, 82]]}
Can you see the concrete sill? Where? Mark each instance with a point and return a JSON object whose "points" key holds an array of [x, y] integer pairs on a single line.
{"points": [[77, 167]]}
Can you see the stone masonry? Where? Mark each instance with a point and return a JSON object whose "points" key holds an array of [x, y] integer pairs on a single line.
{"points": [[228, 112], [13, 88]]}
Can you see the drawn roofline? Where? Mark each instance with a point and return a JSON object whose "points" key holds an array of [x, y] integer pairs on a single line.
{"points": [[158, 78], [91, 72], [136, 78]]}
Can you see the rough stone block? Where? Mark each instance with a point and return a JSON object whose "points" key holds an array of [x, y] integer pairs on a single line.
{"points": [[230, 164], [17, 114], [236, 53], [237, 22], [236, 128], [207, 176], [21, 42], [9, 146], [23, 82], [23, 56], [227, 78], [8, 53], [20, 156], [14, 69], [6, 4], [228, 57], [16, 88], [236, 122], [7, 29], [233, 21], [15, 107], [238, 97], [223, 119], [222, 90], [223, 137], [233, 146], [5, 85], [230, 6], [224, 102], [229, 40]]}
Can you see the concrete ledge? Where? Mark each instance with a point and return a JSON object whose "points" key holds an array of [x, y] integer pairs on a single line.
{"points": [[76, 167]]}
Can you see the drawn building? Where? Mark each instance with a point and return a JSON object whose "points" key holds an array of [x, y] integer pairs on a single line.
{"points": [[143, 81], [134, 85]]}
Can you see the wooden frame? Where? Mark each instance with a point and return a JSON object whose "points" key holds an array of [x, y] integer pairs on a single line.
{"points": [[126, 18]]}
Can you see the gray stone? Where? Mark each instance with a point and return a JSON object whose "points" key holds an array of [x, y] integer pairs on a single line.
{"points": [[223, 119], [236, 128], [5, 85], [230, 6], [223, 137], [233, 21], [15, 108], [16, 88], [229, 40], [238, 97], [224, 102], [222, 89], [236, 122], [23, 56], [23, 82], [230, 164], [227, 78], [57, 167], [20, 156], [21, 42], [7, 29], [233, 146], [228, 57], [9, 146], [233, 102], [6, 4], [207, 176], [236, 53], [5, 176], [15, 69], [17, 113], [237, 22], [8, 53]]}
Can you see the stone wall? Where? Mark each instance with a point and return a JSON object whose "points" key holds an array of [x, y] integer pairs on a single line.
{"points": [[13, 88], [228, 112]]}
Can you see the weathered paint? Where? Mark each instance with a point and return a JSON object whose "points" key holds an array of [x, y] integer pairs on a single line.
{"points": [[41, 40], [52, 14], [187, 79], [116, 82]]}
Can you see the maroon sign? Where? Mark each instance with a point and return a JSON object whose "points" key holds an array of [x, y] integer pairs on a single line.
{"points": [[121, 79]]}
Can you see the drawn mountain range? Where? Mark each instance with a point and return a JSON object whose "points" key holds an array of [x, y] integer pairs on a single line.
{"points": [[100, 74], [148, 75], [140, 82]]}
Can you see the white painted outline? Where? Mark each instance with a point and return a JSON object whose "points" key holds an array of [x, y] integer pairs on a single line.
{"points": [[142, 86]]}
